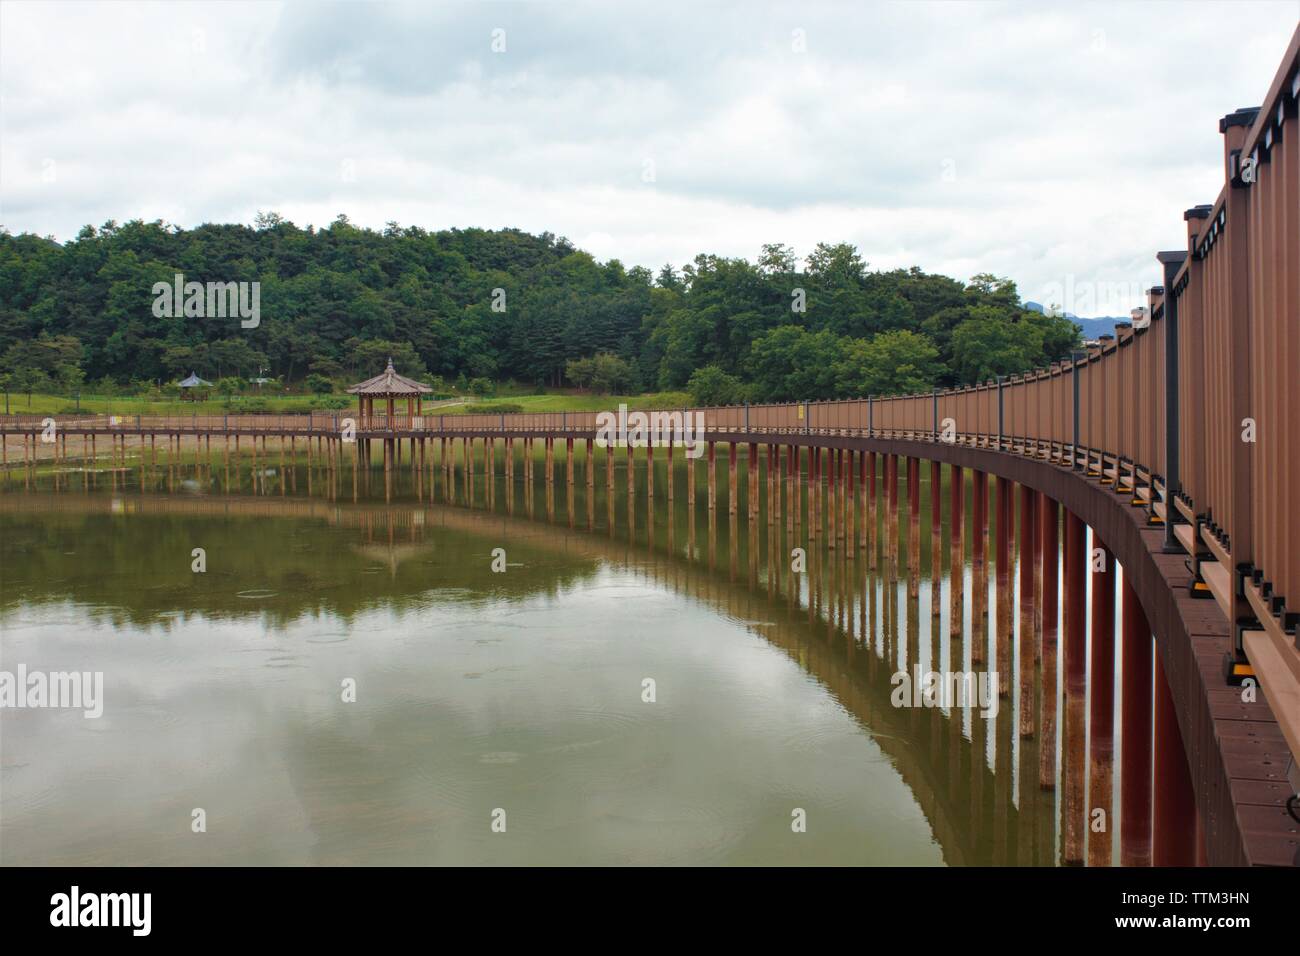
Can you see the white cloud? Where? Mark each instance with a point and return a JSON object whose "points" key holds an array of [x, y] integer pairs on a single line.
{"points": [[1072, 136]]}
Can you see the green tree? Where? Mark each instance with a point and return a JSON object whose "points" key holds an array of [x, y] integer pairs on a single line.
{"points": [[990, 343], [319, 384], [892, 363], [710, 385]]}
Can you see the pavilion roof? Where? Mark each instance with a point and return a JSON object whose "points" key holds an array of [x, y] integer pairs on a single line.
{"points": [[388, 382], [193, 381]]}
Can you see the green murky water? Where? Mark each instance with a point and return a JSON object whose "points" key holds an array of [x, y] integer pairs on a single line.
{"points": [[500, 717]]}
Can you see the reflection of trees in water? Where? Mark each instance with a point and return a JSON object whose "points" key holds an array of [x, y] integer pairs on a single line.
{"points": [[134, 567], [849, 628]]}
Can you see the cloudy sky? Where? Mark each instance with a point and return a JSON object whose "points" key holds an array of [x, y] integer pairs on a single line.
{"points": [[1057, 144]]}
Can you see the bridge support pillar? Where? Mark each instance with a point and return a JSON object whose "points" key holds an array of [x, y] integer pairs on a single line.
{"points": [[1029, 560], [712, 477], [873, 517], [891, 516], [690, 484], [568, 464], [631, 480], [1173, 840], [957, 553], [1048, 527], [1004, 531], [936, 533], [1135, 746], [731, 478], [913, 526], [1101, 717], [609, 487], [791, 487], [1075, 688], [832, 497], [772, 493], [814, 483], [650, 480], [862, 500], [979, 580]]}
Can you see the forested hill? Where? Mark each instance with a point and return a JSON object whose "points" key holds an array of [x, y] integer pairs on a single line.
{"points": [[335, 300]]}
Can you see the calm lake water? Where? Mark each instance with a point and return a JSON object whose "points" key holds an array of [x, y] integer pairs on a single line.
{"points": [[515, 697]]}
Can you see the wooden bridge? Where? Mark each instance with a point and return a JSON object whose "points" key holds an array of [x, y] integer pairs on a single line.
{"points": [[1177, 441]]}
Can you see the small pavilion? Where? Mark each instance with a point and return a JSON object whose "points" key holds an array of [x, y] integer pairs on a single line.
{"points": [[192, 386], [389, 386]]}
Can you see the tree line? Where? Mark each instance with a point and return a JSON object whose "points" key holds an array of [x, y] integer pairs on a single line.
{"points": [[477, 305]]}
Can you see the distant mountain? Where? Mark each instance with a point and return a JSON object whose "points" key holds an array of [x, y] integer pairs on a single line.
{"points": [[1092, 328]]}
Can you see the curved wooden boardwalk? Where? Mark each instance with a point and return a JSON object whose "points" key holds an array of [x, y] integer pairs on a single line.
{"points": [[1177, 442]]}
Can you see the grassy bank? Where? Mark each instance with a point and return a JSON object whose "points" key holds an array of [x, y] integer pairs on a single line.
{"points": [[294, 404]]}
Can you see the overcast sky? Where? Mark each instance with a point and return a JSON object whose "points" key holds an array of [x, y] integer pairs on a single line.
{"points": [[1056, 144]]}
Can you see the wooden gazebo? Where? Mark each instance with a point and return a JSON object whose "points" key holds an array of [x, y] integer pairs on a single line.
{"points": [[193, 388], [389, 386]]}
